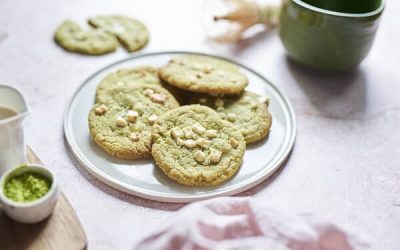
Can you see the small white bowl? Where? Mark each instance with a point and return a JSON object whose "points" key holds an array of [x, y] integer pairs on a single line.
{"points": [[34, 211]]}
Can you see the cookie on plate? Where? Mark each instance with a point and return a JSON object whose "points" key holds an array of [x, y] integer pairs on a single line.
{"points": [[194, 146], [248, 113], [121, 123], [125, 77], [71, 37], [131, 33], [204, 74]]}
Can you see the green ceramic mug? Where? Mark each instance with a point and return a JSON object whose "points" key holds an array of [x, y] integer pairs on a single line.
{"points": [[333, 35]]}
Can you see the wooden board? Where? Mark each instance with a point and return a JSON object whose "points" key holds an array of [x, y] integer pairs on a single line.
{"points": [[62, 230]]}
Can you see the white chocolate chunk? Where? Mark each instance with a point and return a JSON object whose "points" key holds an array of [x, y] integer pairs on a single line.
{"points": [[204, 143], [148, 92], [176, 133], [199, 156], [121, 122], [187, 131], [202, 100], [131, 115], [253, 104], [215, 156], [158, 98], [198, 128], [234, 143], [231, 117], [152, 119], [180, 142], [189, 143], [134, 137], [219, 102], [212, 133], [100, 110], [120, 84]]}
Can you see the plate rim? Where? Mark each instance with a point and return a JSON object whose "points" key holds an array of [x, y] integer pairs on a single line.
{"points": [[253, 181]]}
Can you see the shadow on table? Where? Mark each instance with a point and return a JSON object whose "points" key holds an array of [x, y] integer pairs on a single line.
{"points": [[334, 95]]}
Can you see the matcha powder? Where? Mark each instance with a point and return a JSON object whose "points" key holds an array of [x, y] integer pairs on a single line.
{"points": [[26, 187]]}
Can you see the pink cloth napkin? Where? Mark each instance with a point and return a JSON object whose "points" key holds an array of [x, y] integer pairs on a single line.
{"points": [[247, 223]]}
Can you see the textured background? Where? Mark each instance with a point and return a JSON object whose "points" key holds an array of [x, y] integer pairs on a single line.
{"points": [[346, 161]]}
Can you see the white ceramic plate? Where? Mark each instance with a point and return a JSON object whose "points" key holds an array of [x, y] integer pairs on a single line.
{"points": [[143, 178]]}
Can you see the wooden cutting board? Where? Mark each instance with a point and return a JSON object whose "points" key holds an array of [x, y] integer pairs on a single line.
{"points": [[62, 230]]}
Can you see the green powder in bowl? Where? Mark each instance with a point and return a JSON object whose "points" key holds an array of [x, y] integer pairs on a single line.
{"points": [[26, 187]]}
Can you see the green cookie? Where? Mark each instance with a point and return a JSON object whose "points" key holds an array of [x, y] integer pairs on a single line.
{"points": [[124, 78], [248, 113], [131, 33], [92, 42], [204, 74], [121, 122], [194, 146]]}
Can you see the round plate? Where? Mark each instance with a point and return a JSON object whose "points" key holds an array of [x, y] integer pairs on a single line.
{"points": [[143, 178]]}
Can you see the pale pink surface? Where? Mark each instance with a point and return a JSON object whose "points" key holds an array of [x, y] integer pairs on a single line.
{"points": [[247, 223], [344, 166]]}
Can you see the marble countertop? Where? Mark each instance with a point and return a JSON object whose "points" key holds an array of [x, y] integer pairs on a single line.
{"points": [[346, 161]]}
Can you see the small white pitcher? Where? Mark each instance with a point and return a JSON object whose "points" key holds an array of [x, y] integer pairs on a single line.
{"points": [[12, 145]]}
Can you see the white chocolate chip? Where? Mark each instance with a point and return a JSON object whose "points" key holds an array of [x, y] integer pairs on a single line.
{"points": [[204, 143], [187, 131], [180, 142], [176, 132], [134, 137], [158, 98], [131, 115], [152, 119], [189, 143], [202, 100], [207, 69], [215, 156], [233, 142], [212, 133], [119, 84], [231, 117], [121, 122], [198, 128], [199, 156], [148, 92], [100, 110], [219, 102]]}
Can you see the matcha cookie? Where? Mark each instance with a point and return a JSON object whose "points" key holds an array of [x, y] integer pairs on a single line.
{"points": [[248, 113], [194, 146], [121, 123], [204, 74], [124, 78], [131, 33], [92, 42]]}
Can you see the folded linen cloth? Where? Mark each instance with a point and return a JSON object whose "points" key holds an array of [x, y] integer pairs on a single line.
{"points": [[247, 223]]}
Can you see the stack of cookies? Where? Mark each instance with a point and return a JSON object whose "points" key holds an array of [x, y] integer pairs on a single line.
{"points": [[201, 143]]}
